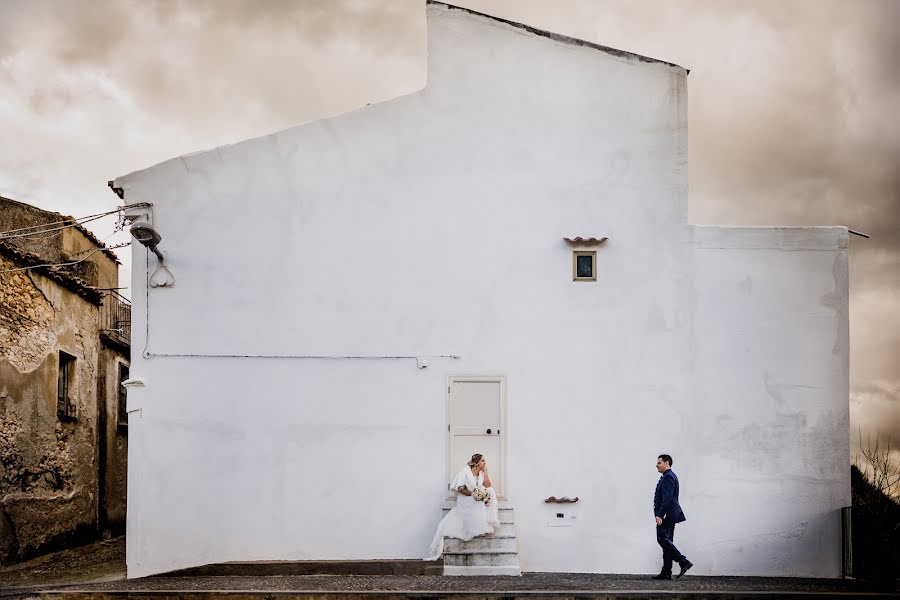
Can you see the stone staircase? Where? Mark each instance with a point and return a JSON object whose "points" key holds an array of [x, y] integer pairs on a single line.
{"points": [[493, 554]]}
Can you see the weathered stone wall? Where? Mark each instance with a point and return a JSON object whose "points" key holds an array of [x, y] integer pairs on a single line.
{"points": [[48, 482], [18, 215], [99, 269], [26, 320]]}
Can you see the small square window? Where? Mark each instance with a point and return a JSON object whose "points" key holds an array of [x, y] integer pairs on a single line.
{"points": [[65, 388], [584, 266], [122, 411]]}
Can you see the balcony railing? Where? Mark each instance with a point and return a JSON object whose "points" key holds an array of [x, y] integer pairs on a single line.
{"points": [[115, 317]]}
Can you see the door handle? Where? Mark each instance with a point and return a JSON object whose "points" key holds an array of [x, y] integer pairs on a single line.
{"points": [[488, 430]]}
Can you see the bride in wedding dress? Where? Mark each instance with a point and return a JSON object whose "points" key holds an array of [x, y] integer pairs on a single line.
{"points": [[470, 517]]}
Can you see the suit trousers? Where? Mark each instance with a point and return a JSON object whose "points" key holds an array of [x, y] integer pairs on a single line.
{"points": [[665, 536]]}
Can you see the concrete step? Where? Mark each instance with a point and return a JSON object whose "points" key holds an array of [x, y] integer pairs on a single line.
{"points": [[505, 530], [492, 554], [481, 544], [481, 559], [506, 514], [501, 504]]}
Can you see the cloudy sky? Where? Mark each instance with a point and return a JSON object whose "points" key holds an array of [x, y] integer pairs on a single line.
{"points": [[793, 108]]}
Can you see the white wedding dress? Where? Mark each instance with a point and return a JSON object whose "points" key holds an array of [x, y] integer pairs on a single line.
{"points": [[469, 518]]}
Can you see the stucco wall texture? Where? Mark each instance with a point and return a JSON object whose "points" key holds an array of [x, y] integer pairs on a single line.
{"points": [[60, 245], [432, 226]]}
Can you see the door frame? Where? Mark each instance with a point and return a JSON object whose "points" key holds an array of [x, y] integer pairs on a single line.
{"points": [[504, 437]]}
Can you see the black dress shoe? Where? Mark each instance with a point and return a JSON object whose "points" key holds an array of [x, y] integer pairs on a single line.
{"points": [[662, 576], [684, 567]]}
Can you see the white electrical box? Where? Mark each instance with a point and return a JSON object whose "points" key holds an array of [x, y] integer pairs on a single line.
{"points": [[562, 518]]}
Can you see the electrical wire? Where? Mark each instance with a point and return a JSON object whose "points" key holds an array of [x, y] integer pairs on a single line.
{"points": [[67, 264], [45, 228], [47, 233], [119, 227], [91, 251], [43, 233], [40, 235], [69, 220], [148, 354]]}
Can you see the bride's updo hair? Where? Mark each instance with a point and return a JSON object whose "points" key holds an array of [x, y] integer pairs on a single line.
{"points": [[476, 458]]}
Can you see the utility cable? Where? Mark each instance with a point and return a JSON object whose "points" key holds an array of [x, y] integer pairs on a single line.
{"points": [[67, 264], [64, 221], [118, 228], [147, 354], [44, 232], [298, 356]]}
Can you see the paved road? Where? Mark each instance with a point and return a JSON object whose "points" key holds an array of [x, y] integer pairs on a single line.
{"points": [[98, 571]]}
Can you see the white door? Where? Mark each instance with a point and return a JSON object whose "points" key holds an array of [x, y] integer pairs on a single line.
{"points": [[477, 424]]}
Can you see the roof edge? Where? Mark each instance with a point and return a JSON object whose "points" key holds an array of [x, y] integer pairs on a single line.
{"points": [[32, 262], [769, 237], [119, 184], [558, 37]]}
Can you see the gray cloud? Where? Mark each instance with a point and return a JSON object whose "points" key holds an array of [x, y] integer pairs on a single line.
{"points": [[792, 107], [875, 403], [271, 62]]}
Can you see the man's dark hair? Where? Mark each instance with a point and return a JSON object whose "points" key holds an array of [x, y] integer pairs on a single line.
{"points": [[666, 458]]}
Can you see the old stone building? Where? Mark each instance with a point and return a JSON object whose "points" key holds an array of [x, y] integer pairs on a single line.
{"points": [[64, 349]]}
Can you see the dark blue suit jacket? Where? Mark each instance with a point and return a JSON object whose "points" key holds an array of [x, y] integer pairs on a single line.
{"points": [[665, 500]]}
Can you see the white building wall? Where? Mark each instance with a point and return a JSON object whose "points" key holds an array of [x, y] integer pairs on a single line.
{"points": [[769, 416], [432, 225]]}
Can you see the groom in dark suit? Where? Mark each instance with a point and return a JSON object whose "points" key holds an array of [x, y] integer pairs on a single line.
{"points": [[668, 512]]}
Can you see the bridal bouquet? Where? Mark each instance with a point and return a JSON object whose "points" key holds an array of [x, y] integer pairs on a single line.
{"points": [[481, 494]]}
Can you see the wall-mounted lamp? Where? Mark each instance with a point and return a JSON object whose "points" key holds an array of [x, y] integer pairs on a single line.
{"points": [[140, 216], [146, 235]]}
